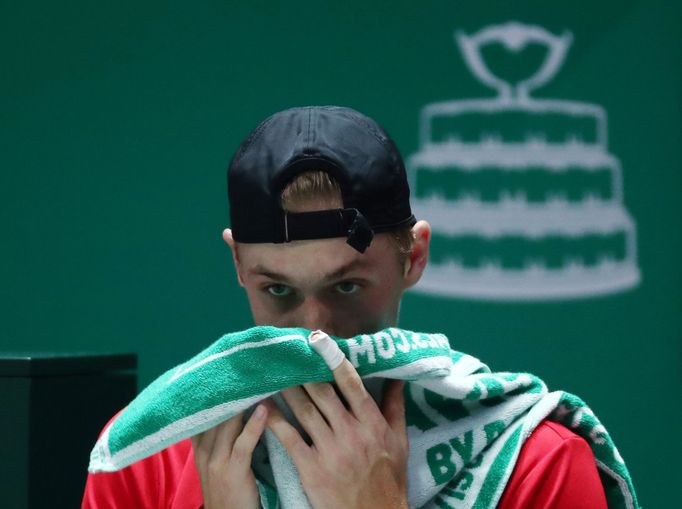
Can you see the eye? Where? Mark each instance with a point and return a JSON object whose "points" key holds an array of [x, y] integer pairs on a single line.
{"points": [[279, 290], [347, 287]]}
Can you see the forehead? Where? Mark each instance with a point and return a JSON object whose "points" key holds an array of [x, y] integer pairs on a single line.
{"points": [[315, 259]]}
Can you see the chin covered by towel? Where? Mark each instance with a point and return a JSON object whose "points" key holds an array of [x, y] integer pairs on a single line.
{"points": [[466, 425]]}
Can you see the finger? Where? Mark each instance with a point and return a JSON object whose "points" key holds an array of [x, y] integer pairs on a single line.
{"points": [[307, 414], [203, 444], [226, 434], [287, 434], [347, 379], [196, 440], [196, 444], [329, 402], [208, 439], [353, 390], [246, 442], [393, 405]]}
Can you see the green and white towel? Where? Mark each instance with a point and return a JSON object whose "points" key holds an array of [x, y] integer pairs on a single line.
{"points": [[466, 425]]}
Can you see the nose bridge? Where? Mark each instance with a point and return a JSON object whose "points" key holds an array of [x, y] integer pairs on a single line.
{"points": [[316, 314]]}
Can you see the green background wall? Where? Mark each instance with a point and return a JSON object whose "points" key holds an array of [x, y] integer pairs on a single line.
{"points": [[117, 123]]}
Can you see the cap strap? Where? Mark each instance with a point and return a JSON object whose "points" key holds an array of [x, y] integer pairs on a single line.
{"points": [[326, 224]]}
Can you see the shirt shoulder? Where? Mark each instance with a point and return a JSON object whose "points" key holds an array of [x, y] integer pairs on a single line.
{"points": [[555, 470], [167, 479]]}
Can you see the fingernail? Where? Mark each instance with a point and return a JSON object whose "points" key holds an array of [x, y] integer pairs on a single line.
{"points": [[259, 413]]}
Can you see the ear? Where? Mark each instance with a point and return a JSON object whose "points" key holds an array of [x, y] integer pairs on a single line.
{"points": [[419, 256], [227, 237]]}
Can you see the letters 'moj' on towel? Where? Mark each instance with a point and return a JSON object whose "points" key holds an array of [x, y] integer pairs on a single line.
{"points": [[465, 424], [389, 343]]}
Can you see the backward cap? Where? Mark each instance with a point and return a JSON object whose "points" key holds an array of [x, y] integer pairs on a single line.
{"points": [[348, 145]]}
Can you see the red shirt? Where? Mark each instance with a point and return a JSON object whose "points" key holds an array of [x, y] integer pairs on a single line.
{"points": [[555, 470]]}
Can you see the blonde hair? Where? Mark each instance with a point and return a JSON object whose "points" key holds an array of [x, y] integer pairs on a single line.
{"points": [[319, 190]]}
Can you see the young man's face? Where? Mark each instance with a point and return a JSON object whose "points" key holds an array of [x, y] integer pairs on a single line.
{"points": [[326, 284]]}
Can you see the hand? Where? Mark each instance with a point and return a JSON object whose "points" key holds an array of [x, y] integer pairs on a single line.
{"points": [[223, 458], [358, 456]]}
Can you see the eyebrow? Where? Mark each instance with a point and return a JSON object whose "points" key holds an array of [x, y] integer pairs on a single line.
{"points": [[261, 270]]}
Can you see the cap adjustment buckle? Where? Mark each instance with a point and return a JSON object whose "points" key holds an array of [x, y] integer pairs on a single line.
{"points": [[360, 233]]}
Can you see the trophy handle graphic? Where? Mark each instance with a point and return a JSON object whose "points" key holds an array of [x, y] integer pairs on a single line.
{"points": [[515, 37]]}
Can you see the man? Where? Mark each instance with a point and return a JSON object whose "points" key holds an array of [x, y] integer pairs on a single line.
{"points": [[323, 237]]}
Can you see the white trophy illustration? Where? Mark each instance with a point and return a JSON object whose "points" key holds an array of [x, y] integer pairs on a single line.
{"points": [[525, 201]]}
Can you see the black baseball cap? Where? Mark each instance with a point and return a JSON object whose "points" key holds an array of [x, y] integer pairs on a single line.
{"points": [[351, 147]]}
